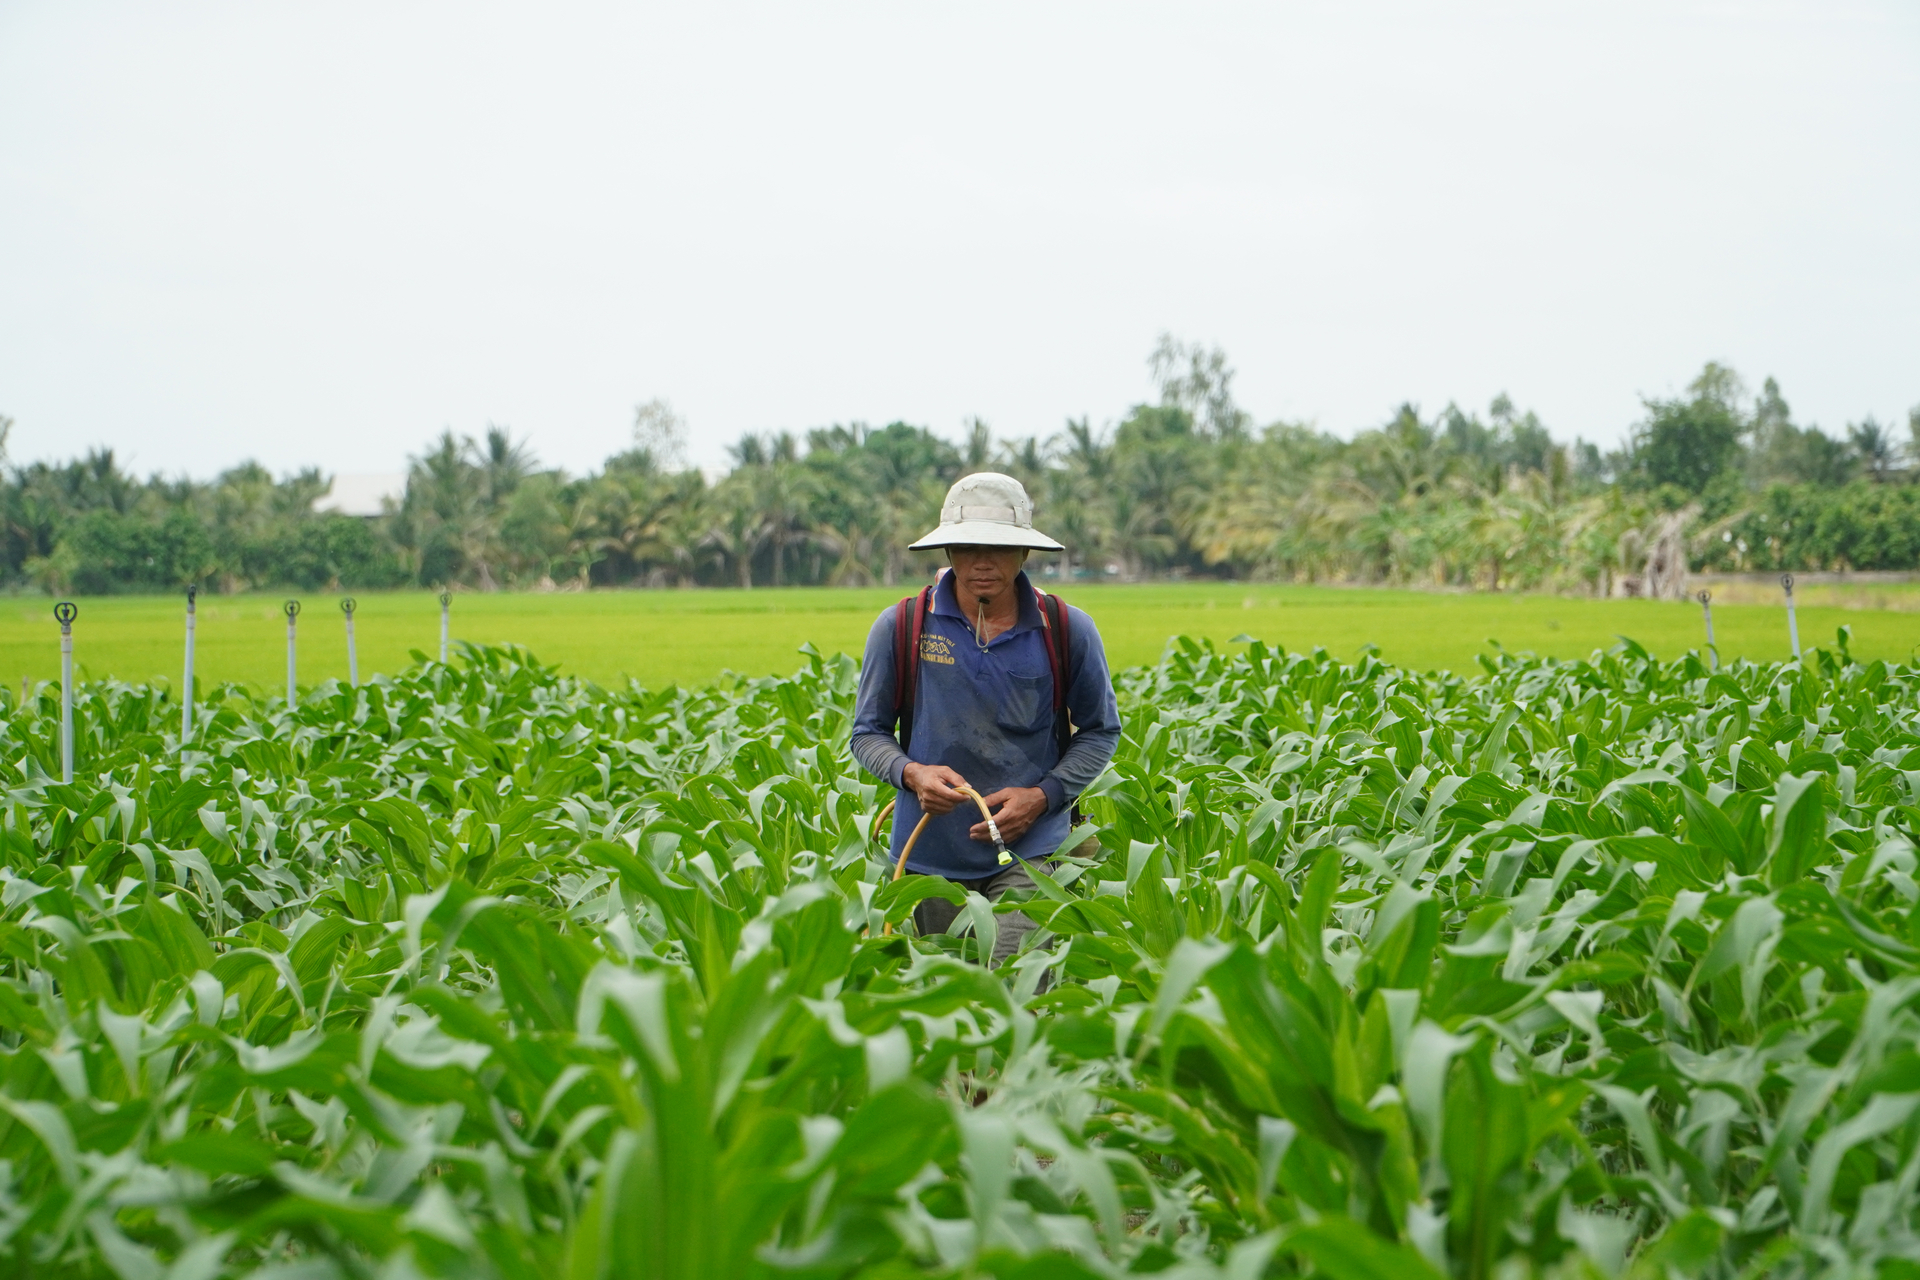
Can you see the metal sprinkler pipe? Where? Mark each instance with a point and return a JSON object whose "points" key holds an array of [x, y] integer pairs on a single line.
{"points": [[1793, 625], [446, 605], [292, 609], [347, 607], [1706, 609], [186, 680], [65, 612]]}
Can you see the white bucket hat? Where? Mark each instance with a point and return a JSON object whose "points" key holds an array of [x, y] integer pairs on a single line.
{"points": [[987, 509]]}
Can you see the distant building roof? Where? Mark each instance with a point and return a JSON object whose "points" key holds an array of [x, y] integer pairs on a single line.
{"points": [[362, 494]]}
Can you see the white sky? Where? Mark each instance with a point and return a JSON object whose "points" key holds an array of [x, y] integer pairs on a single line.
{"points": [[318, 233]]}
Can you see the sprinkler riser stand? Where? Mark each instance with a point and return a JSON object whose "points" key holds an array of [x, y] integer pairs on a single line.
{"points": [[65, 613], [353, 659], [186, 680], [292, 609], [1793, 623], [1706, 611], [66, 704]]}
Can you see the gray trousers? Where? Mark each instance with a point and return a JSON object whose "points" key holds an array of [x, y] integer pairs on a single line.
{"points": [[936, 915]]}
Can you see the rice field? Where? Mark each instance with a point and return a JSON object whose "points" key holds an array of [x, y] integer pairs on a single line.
{"points": [[691, 637]]}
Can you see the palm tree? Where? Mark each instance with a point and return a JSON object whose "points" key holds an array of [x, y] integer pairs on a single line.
{"points": [[1876, 448], [855, 542], [771, 505], [503, 464], [737, 529], [979, 447], [1024, 459], [447, 526], [1074, 485], [688, 506], [783, 491]]}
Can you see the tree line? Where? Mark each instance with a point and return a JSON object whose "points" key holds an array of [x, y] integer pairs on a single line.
{"points": [[1186, 486]]}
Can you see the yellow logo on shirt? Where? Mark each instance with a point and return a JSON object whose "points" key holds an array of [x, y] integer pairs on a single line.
{"points": [[936, 649]]}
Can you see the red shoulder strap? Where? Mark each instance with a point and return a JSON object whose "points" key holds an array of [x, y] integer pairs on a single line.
{"points": [[904, 654], [909, 624], [921, 603], [1054, 629]]}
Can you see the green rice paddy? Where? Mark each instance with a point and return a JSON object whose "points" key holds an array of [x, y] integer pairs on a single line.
{"points": [[694, 636]]}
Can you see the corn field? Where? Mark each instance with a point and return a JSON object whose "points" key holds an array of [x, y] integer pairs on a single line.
{"points": [[1559, 969]]}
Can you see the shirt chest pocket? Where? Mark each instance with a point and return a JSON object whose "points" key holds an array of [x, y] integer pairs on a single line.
{"points": [[1027, 706]]}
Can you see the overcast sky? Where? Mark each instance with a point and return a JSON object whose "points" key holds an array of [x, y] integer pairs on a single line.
{"points": [[317, 234]]}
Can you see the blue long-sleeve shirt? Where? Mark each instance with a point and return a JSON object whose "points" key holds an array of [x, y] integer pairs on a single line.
{"points": [[987, 713]]}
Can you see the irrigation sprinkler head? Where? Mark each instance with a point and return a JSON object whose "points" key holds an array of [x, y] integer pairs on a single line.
{"points": [[348, 605], [64, 613], [1703, 597], [1786, 581], [446, 599], [193, 593], [292, 609]]}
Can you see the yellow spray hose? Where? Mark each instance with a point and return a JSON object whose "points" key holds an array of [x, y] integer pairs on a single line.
{"points": [[900, 867]]}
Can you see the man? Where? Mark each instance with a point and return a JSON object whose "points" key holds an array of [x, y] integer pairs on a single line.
{"points": [[982, 708]]}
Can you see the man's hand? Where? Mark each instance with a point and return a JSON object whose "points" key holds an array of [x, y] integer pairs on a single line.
{"points": [[1015, 810], [934, 785]]}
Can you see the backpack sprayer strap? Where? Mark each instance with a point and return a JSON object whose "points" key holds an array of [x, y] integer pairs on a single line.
{"points": [[909, 624]]}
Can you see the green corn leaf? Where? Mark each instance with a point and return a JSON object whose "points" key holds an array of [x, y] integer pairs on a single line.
{"points": [[1797, 837], [1341, 1247]]}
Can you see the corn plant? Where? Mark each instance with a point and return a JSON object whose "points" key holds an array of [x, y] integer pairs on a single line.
{"points": [[1559, 969]]}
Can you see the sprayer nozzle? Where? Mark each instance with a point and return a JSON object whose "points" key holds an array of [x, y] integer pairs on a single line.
{"points": [[993, 829]]}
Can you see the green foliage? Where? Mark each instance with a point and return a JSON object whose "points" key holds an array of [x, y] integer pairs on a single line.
{"points": [[113, 553], [1185, 487], [90, 527], [1861, 526], [1686, 443], [478, 970]]}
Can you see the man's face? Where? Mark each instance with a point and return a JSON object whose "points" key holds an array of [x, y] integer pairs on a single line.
{"points": [[981, 574]]}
